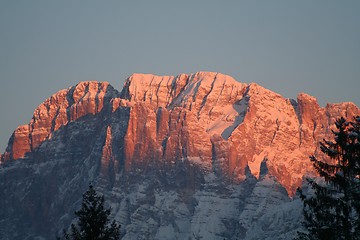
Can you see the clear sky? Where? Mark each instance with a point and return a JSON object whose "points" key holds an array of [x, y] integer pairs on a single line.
{"points": [[289, 47]]}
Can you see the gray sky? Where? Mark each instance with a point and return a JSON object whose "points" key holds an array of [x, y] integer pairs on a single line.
{"points": [[286, 46]]}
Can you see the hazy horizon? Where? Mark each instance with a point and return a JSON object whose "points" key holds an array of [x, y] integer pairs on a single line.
{"points": [[287, 47]]}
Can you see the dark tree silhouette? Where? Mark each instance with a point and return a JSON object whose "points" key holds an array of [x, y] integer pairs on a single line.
{"points": [[93, 220], [332, 211]]}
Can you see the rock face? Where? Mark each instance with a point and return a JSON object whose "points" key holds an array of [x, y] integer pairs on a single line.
{"points": [[58, 110], [185, 157]]}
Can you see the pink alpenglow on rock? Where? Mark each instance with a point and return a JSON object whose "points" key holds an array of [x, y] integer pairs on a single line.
{"points": [[208, 119]]}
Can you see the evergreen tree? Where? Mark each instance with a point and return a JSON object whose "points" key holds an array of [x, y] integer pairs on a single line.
{"points": [[93, 220], [333, 210]]}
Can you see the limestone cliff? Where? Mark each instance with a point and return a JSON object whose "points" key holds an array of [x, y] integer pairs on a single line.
{"points": [[206, 118], [185, 157]]}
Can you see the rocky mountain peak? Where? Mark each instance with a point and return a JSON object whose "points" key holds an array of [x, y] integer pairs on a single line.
{"points": [[181, 90], [188, 156], [207, 118], [58, 110]]}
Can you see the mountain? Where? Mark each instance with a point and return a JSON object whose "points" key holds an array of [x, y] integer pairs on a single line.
{"points": [[185, 157]]}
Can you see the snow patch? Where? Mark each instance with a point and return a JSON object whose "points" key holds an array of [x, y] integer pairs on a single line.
{"points": [[255, 163], [233, 115]]}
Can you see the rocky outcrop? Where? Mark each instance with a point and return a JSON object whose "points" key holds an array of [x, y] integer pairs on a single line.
{"points": [[58, 110], [193, 156], [206, 118], [241, 125]]}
